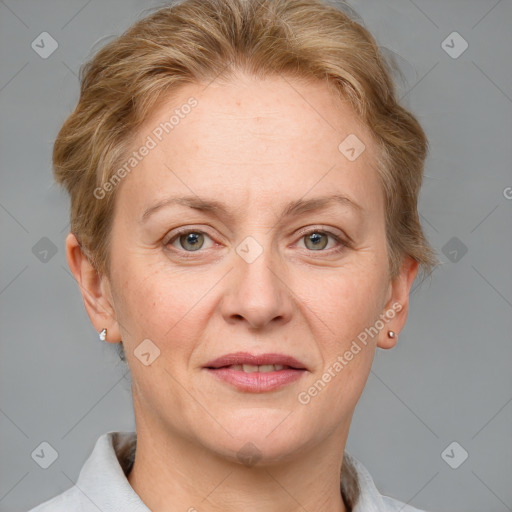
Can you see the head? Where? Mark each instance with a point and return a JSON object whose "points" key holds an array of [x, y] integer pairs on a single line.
{"points": [[243, 179]]}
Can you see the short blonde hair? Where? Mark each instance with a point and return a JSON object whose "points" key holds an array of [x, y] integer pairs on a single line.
{"points": [[193, 41]]}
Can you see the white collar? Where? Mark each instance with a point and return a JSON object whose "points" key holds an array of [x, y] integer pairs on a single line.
{"points": [[102, 483]]}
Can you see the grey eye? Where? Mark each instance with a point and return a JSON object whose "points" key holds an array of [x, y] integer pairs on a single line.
{"points": [[315, 239], [192, 241]]}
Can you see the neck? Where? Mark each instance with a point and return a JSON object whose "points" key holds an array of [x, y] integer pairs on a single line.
{"points": [[172, 473]]}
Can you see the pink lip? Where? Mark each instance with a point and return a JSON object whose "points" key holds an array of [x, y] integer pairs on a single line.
{"points": [[259, 360], [256, 382]]}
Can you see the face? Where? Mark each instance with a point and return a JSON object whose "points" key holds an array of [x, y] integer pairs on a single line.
{"points": [[245, 236]]}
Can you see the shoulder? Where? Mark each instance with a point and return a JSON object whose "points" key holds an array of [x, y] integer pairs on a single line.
{"points": [[364, 496], [393, 505], [102, 483], [68, 500]]}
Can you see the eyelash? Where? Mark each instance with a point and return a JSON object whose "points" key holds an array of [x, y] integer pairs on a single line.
{"points": [[191, 254]]}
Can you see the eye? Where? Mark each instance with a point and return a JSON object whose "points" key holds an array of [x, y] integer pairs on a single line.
{"points": [[188, 240], [193, 240], [317, 240]]}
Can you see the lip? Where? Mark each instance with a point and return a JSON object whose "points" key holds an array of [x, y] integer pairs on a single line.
{"points": [[254, 359], [256, 382]]}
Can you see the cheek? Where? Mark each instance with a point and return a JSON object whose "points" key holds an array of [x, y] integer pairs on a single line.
{"points": [[345, 302], [161, 304], [343, 309]]}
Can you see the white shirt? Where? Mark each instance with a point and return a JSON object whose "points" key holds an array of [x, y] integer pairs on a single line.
{"points": [[102, 484]]}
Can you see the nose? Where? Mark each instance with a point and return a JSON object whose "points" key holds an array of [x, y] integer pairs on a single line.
{"points": [[257, 292]]}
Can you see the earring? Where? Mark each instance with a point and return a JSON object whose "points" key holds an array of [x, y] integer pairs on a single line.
{"points": [[103, 335], [391, 334]]}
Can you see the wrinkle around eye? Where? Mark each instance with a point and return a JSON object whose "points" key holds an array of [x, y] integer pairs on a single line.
{"points": [[185, 232], [173, 245]]}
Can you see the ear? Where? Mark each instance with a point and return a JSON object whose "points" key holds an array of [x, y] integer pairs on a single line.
{"points": [[95, 289], [397, 305]]}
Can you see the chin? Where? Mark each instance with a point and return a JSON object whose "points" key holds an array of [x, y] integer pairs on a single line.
{"points": [[261, 437], [257, 452]]}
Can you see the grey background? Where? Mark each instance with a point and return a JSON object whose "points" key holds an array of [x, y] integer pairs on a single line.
{"points": [[449, 377]]}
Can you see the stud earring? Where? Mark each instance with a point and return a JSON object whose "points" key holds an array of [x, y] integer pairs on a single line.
{"points": [[103, 335], [391, 334]]}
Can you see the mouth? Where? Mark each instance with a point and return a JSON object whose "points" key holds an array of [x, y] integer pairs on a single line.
{"points": [[251, 368], [256, 373]]}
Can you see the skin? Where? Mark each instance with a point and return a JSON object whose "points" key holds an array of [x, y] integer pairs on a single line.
{"points": [[253, 145]]}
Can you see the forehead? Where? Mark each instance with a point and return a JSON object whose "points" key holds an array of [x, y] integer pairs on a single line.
{"points": [[255, 137], [281, 109]]}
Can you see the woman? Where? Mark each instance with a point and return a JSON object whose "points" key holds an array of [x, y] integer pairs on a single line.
{"points": [[244, 226]]}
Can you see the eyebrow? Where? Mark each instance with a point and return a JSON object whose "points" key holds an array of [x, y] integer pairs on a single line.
{"points": [[218, 209]]}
